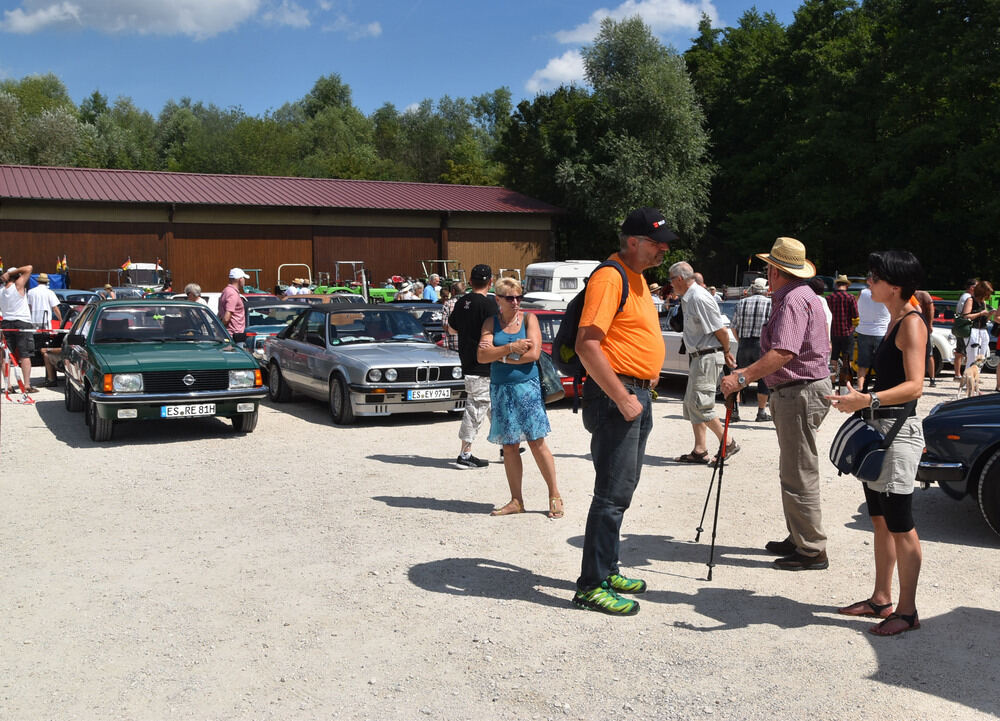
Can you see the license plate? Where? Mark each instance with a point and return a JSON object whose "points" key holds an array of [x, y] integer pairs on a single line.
{"points": [[187, 411], [428, 394]]}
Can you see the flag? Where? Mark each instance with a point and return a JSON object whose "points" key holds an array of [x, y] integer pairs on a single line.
{"points": [[65, 265], [58, 265], [1, 263], [127, 263]]}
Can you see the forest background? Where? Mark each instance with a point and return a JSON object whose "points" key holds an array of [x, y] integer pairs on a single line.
{"points": [[858, 126]]}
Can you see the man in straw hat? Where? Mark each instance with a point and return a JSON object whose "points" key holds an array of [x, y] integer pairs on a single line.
{"points": [[844, 309], [795, 347]]}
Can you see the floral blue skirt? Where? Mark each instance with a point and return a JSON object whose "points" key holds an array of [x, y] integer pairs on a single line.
{"points": [[518, 413]]}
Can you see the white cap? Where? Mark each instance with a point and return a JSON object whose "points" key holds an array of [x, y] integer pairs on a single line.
{"points": [[759, 284], [235, 273]]}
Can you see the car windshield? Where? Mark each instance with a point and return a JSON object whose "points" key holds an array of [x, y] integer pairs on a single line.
{"points": [[272, 315], [157, 323], [374, 326]]}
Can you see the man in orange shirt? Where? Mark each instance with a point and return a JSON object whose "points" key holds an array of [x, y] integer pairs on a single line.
{"points": [[622, 353]]}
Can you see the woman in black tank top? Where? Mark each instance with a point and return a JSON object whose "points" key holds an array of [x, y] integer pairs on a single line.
{"points": [[899, 367]]}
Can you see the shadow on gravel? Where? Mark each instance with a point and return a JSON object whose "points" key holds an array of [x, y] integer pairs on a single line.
{"points": [[486, 578], [435, 504], [940, 519], [416, 461], [316, 412], [638, 550]]}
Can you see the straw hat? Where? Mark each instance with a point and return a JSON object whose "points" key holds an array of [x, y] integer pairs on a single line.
{"points": [[789, 255], [842, 279], [654, 287]]}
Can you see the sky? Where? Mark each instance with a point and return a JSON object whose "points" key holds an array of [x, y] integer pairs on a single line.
{"points": [[261, 54]]}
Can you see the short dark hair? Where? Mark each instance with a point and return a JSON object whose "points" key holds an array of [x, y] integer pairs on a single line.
{"points": [[817, 284], [897, 267]]}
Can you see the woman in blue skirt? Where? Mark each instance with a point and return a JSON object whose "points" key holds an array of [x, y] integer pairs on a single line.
{"points": [[511, 343]]}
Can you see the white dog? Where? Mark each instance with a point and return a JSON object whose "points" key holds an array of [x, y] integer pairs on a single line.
{"points": [[969, 383]]}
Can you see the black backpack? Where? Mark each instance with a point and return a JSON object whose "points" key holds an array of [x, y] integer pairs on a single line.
{"points": [[564, 344]]}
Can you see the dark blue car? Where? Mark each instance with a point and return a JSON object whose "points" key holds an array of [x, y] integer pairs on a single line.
{"points": [[962, 452]]}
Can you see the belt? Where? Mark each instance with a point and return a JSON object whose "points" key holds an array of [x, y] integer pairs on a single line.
{"points": [[717, 349], [633, 381], [792, 384], [889, 412]]}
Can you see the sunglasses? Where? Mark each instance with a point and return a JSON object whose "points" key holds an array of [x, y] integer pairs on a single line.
{"points": [[511, 298]]}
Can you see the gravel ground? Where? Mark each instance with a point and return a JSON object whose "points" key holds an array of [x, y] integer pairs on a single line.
{"points": [[309, 571]]}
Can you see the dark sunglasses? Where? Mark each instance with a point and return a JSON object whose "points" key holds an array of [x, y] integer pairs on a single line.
{"points": [[511, 298]]}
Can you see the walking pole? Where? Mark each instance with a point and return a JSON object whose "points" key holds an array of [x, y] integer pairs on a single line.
{"points": [[730, 402], [704, 509]]}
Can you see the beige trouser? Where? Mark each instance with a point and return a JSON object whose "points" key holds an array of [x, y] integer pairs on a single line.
{"points": [[797, 412]]}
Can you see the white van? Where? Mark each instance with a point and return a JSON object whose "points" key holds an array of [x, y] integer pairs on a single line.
{"points": [[552, 285]]}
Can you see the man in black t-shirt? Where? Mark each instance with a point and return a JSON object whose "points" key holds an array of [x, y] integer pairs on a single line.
{"points": [[466, 321]]}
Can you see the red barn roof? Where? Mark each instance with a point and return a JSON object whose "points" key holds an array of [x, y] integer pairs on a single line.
{"points": [[147, 186]]}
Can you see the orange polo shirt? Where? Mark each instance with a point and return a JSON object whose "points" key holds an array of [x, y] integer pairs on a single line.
{"points": [[632, 339]]}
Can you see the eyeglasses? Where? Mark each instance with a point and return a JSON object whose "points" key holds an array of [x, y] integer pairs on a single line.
{"points": [[512, 298], [654, 242]]}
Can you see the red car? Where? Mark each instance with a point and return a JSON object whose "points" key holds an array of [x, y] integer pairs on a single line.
{"points": [[548, 322]]}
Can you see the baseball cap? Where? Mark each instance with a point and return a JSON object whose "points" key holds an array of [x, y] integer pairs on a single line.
{"points": [[481, 272], [235, 273], [650, 223]]}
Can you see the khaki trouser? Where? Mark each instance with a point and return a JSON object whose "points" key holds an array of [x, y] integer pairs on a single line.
{"points": [[797, 412]]}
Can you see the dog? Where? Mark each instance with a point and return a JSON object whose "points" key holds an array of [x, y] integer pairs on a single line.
{"points": [[969, 383]]}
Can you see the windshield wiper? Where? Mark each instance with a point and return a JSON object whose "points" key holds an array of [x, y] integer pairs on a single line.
{"points": [[116, 340]]}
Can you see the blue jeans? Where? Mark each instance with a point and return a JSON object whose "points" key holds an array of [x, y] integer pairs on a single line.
{"points": [[617, 448]]}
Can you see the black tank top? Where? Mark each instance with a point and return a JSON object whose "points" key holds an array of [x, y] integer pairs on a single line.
{"points": [[889, 370], [977, 306]]}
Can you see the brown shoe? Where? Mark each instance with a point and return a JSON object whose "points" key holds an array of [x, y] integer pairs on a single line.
{"points": [[781, 548], [797, 562]]}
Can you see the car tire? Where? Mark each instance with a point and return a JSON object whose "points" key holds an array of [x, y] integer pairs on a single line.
{"points": [[101, 429], [989, 492], [72, 399], [340, 402], [245, 422], [277, 389]]}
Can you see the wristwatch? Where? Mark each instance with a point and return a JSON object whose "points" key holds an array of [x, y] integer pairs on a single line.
{"points": [[741, 379], [875, 401]]}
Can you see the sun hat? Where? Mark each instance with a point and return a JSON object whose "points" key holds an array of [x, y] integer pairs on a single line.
{"points": [[842, 280], [789, 255], [43, 277], [759, 285], [405, 287]]}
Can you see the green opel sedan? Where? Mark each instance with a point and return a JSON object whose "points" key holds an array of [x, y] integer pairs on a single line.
{"points": [[143, 359]]}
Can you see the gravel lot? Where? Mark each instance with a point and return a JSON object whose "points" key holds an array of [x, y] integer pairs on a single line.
{"points": [[309, 571]]}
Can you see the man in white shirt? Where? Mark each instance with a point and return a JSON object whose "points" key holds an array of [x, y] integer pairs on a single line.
{"points": [[17, 318], [873, 323], [43, 303]]}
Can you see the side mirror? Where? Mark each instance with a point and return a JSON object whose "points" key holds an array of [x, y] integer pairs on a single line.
{"points": [[75, 339], [315, 339]]}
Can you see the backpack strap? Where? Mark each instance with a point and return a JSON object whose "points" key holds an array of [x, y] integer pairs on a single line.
{"points": [[625, 289]]}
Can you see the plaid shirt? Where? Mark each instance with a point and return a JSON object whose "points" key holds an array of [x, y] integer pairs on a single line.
{"points": [[450, 341], [750, 315], [844, 308], [796, 325]]}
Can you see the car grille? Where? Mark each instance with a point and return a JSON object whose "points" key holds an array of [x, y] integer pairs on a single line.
{"points": [[424, 374], [172, 381]]}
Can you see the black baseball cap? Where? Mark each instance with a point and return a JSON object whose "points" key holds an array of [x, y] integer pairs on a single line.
{"points": [[650, 223], [481, 272]]}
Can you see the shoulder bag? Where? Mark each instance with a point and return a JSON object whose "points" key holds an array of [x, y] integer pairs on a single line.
{"points": [[859, 449], [552, 388]]}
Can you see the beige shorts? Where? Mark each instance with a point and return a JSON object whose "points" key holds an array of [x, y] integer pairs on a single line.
{"points": [[703, 382], [899, 469]]}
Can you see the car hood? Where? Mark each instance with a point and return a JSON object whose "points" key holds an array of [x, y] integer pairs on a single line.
{"points": [[138, 357], [988, 402], [387, 354]]}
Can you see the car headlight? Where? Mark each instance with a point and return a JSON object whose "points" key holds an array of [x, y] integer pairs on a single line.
{"points": [[241, 378], [127, 383], [374, 375], [391, 375], [456, 372]]}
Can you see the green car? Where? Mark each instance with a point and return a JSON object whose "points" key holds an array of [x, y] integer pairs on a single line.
{"points": [[143, 359]]}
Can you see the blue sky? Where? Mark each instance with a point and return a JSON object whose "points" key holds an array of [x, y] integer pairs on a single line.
{"points": [[259, 54]]}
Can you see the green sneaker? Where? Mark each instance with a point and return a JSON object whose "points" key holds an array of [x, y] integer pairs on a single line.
{"points": [[626, 585], [606, 600]]}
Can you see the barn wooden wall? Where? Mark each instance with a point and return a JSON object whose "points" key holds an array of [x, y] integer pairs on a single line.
{"points": [[385, 251]]}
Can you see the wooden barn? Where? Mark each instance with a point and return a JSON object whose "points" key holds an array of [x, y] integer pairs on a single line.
{"points": [[199, 226]]}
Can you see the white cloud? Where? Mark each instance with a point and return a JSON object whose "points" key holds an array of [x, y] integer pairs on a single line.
{"points": [[662, 16], [412, 108], [288, 13], [195, 18], [564, 70], [353, 30]]}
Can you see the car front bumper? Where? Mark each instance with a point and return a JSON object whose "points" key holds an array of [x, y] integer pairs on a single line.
{"points": [[387, 402], [941, 472], [120, 406]]}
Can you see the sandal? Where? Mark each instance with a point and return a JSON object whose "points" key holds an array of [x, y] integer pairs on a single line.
{"points": [[513, 506], [556, 507], [911, 621], [867, 608], [31, 389], [700, 458], [731, 450]]}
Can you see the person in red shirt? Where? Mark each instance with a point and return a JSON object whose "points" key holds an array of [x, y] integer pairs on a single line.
{"points": [[232, 312]]}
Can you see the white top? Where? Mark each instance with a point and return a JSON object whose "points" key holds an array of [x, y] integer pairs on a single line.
{"points": [[41, 301], [961, 302], [13, 305], [874, 315], [829, 317]]}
